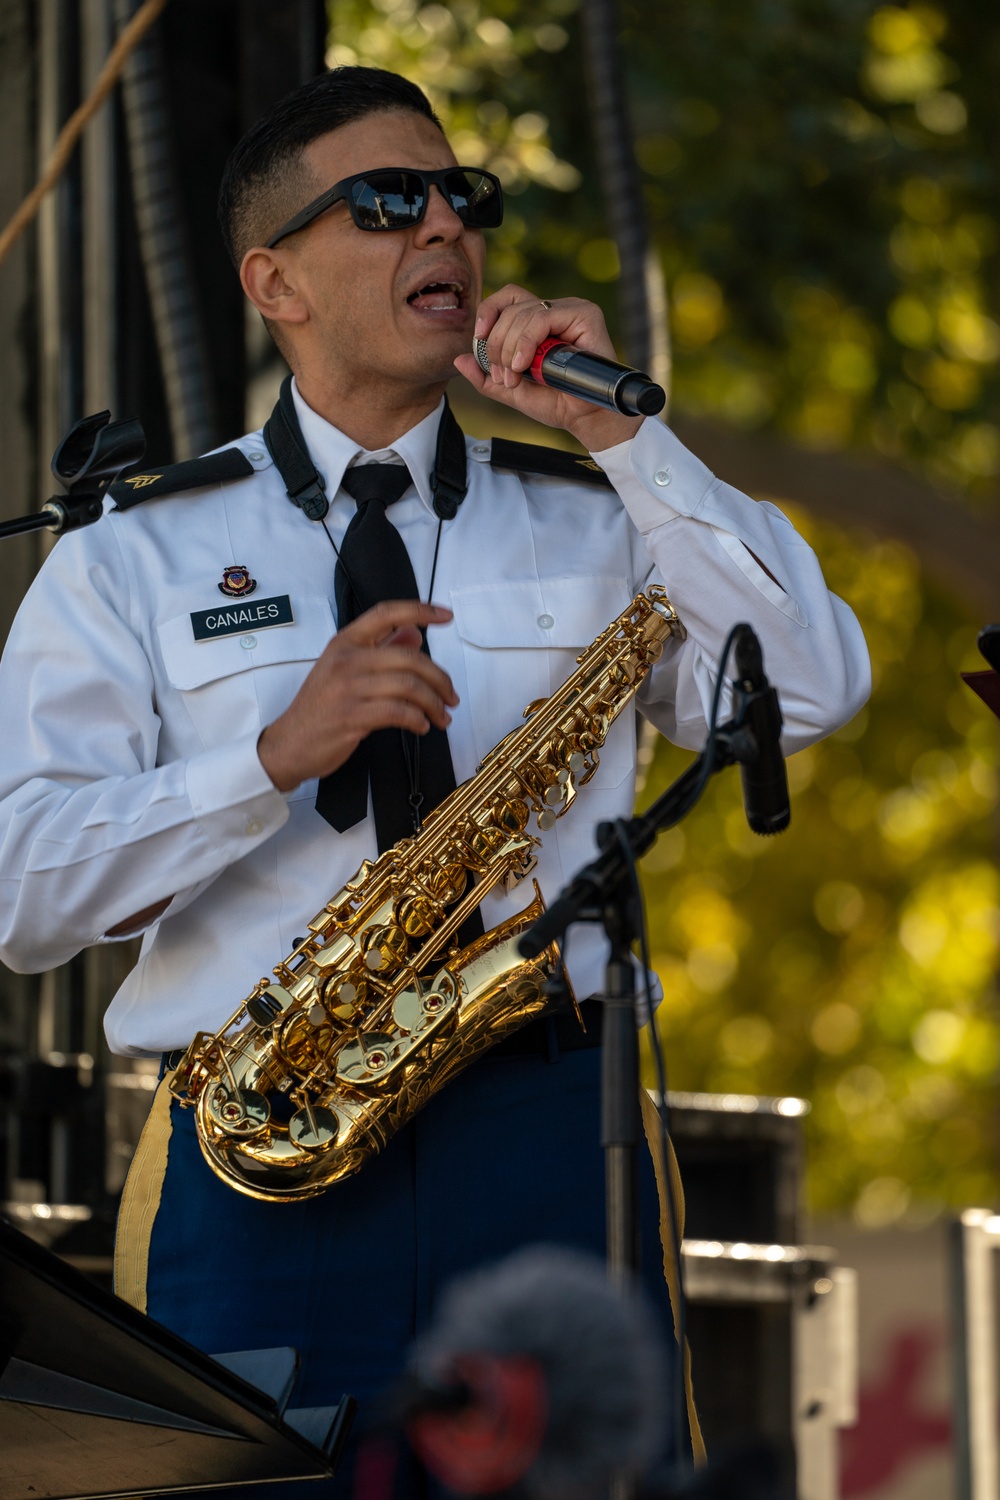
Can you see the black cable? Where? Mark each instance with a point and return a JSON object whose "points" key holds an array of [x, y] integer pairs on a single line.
{"points": [[681, 1429], [708, 754]]}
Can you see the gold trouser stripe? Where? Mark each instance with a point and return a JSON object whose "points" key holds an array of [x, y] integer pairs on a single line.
{"points": [[141, 1199], [651, 1125]]}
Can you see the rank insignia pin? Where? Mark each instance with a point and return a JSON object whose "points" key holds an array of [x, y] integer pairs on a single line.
{"points": [[236, 581]]}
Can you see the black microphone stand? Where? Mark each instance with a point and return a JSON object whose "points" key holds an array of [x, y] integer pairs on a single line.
{"points": [[605, 892], [602, 892], [87, 462]]}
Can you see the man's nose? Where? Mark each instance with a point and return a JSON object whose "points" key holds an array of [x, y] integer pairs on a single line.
{"points": [[440, 221]]}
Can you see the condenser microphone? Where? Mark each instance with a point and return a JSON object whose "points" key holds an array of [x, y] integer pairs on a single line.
{"points": [[537, 1372], [591, 377], [765, 781]]}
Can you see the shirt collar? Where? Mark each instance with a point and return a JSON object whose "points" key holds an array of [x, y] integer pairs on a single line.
{"points": [[332, 451]]}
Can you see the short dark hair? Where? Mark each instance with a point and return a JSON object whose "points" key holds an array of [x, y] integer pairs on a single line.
{"points": [[260, 185]]}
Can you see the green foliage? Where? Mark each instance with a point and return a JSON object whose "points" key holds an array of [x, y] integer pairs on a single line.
{"points": [[821, 181], [822, 178], [851, 960]]}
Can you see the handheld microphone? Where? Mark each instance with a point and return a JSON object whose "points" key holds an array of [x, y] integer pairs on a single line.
{"points": [[765, 782], [591, 377], [537, 1372]]}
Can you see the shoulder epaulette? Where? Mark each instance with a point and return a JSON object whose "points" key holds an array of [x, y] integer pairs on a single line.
{"points": [[192, 474], [557, 463]]}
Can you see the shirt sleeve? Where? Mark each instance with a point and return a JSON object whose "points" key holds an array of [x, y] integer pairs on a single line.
{"points": [[92, 828], [725, 558]]}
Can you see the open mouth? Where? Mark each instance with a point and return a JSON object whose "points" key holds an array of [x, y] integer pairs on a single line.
{"points": [[437, 296]]}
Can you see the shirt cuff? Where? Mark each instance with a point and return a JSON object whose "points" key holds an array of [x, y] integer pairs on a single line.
{"points": [[229, 788], [656, 476]]}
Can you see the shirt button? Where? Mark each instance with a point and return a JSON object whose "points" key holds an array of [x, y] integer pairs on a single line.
{"points": [[253, 827], [256, 457], [481, 448], [248, 642], [662, 476], [546, 622]]}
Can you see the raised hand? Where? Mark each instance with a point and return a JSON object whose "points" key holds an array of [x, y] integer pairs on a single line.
{"points": [[513, 321], [372, 675]]}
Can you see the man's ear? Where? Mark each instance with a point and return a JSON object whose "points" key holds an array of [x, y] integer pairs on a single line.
{"points": [[266, 280]]}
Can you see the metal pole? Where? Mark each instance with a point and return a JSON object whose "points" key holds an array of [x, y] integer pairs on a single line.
{"points": [[100, 209], [642, 289], [974, 1240], [159, 212]]}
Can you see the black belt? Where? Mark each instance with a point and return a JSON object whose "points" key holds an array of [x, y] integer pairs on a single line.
{"points": [[545, 1037]]}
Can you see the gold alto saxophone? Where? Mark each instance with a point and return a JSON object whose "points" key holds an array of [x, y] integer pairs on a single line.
{"points": [[378, 1008]]}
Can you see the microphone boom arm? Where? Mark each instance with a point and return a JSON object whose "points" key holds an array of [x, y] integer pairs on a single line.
{"points": [[586, 896], [86, 463]]}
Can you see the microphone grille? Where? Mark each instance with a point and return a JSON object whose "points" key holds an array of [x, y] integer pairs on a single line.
{"points": [[479, 350]]}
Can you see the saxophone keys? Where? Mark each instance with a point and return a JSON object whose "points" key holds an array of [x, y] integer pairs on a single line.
{"points": [[555, 796], [313, 1128], [546, 819], [417, 916], [240, 1112], [448, 882], [407, 1010], [511, 815], [577, 762], [384, 947]]}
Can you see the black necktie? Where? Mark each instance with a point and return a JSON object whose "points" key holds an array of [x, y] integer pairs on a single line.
{"points": [[374, 565]]}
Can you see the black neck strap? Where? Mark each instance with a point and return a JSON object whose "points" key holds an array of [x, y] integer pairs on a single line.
{"points": [[304, 486]]}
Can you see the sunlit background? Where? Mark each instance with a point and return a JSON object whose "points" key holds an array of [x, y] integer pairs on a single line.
{"points": [[821, 184]]}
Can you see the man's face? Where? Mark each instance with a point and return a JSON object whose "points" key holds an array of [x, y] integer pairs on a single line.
{"points": [[395, 305]]}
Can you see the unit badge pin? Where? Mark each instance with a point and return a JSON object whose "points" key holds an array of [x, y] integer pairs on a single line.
{"points": [[236, 581]]}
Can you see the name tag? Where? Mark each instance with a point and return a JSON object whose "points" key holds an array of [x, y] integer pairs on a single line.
{"points": [[233, 619]]}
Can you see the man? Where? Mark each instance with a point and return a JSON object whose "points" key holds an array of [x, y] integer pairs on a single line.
{"points": [[159, 772]]}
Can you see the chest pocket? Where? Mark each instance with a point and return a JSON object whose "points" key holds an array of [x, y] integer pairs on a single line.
{"points": [[233, 685], [521, 641]]}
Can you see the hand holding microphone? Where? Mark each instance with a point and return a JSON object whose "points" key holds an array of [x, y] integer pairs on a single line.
{"points": [[590, 377], [555, 362]]}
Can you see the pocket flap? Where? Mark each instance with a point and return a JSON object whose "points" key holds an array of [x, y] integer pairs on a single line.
{"points": [[191, 664], [547, 613]]}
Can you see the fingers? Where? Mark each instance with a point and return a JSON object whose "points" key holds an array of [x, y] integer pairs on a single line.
{"points": [[414, 679], [377, 624], [514, 321]]}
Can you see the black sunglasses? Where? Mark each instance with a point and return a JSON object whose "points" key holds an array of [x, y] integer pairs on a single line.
{"points": [[396, 198]]}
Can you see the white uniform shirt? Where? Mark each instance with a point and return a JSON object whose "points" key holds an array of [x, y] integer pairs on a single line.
{"points": [[128, 762]]}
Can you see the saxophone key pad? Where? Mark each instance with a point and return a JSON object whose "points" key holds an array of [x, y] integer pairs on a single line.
{"points": [[314, 1129], [244, 1113]]}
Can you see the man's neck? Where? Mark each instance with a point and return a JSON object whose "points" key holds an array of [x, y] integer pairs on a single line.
{"points": [[372, 418]]}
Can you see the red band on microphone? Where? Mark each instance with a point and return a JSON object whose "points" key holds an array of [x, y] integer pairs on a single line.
{"points": [[535, 368]]}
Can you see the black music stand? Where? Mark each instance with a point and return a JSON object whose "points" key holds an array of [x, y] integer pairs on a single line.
{"points": [[97, 1400]]}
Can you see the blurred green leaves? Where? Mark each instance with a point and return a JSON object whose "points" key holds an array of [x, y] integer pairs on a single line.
{"points": [[852, 960], [821, 180]]}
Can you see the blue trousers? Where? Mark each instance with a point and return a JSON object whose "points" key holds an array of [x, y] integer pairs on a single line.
{"points": [[508, 1154]]}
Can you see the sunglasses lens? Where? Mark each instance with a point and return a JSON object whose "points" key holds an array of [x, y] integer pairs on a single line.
{"points": [[393, 200], [476, 198], [387, 200]]}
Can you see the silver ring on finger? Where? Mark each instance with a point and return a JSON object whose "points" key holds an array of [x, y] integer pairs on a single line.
{"points": [[546, 304]]}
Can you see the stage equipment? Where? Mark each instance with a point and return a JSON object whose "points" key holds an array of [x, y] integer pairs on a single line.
{"points": [[607, 892], [537, 1373], [987, 684], [591, 377], [375, 1011], [98, 1400], [87, 462], [975, 1240]]}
